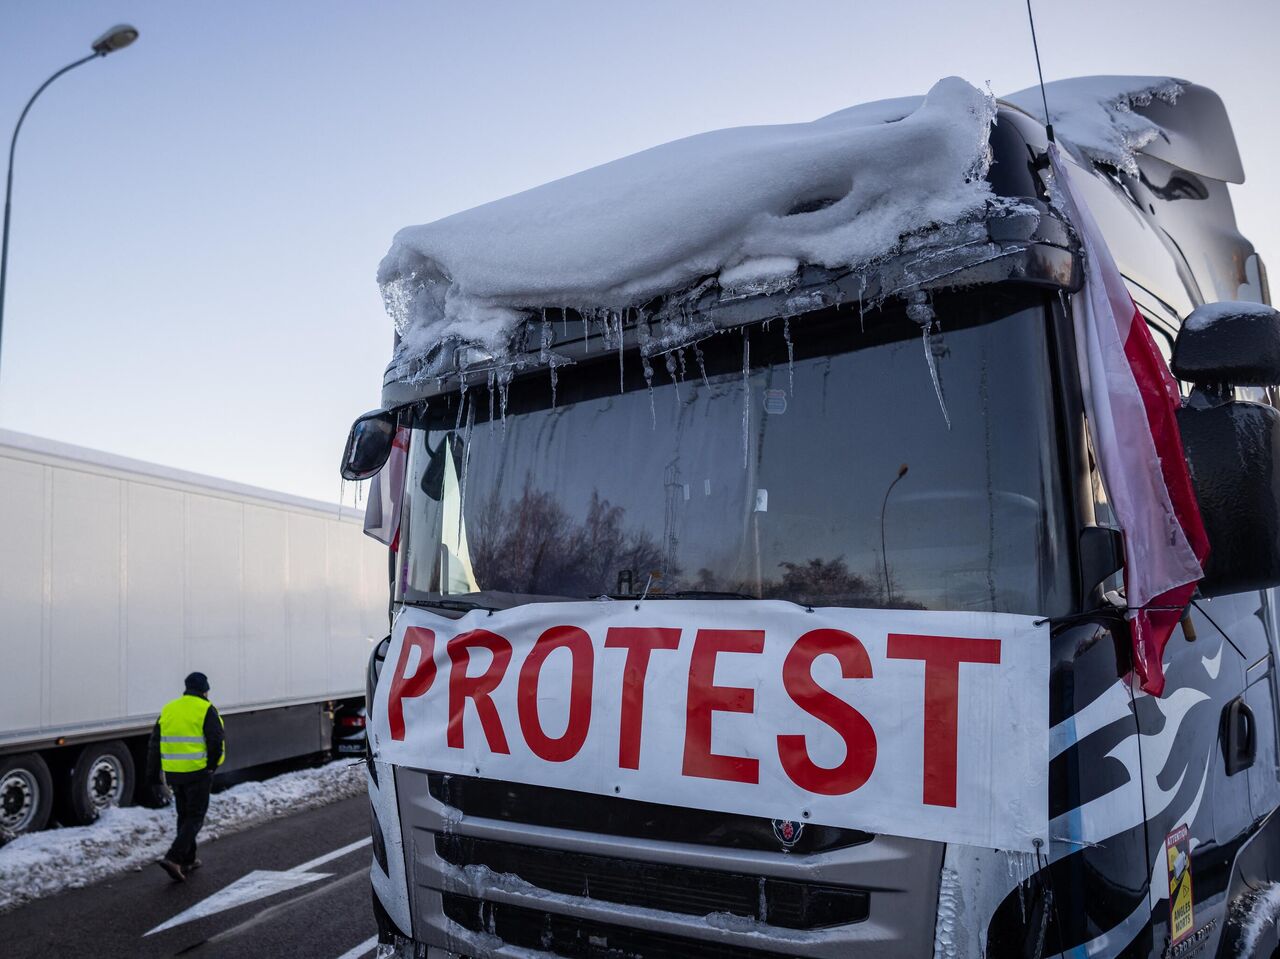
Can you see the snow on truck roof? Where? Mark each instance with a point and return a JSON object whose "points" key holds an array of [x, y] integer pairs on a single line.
{"points": [[744, 205]]}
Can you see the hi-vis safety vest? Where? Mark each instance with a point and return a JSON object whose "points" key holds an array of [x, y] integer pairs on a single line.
{"points": [[182, 745]]}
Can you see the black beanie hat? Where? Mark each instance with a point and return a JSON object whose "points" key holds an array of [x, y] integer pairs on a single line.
{"points": [[197, 683]]}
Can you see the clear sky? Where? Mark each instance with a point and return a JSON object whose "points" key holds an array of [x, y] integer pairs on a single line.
{"points": [[197, 219]]}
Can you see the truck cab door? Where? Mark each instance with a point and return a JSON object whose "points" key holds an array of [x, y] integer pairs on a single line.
{"points": [[1248, 622], [1199, 744]]}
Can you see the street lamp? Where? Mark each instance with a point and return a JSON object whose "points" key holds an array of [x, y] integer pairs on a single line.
{"points": [[117, 38], [884, 554]]}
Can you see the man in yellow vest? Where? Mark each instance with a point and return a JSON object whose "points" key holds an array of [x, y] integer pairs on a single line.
{"points": [[187, 744]]}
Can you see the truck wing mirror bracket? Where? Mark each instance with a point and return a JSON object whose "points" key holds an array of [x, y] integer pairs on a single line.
{"points": [[1101, 555]]}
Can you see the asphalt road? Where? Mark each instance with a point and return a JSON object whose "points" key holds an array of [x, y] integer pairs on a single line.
{"points": [[294, 887]]}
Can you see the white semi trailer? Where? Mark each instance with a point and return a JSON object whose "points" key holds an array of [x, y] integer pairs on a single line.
{"points": [[117, 578]]}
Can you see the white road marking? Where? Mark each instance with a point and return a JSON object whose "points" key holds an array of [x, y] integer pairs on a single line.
{"points": [[363, 949], [330, 856], [258, 885]]}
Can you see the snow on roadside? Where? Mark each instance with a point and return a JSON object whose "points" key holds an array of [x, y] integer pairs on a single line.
{"points": [[44, 863]]}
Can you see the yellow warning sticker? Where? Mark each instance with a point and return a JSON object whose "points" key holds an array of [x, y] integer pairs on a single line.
{"points": [[1177, 847]]}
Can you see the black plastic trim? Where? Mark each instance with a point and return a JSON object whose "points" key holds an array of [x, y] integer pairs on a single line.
{"points": [[670, 888], [610, 815]]}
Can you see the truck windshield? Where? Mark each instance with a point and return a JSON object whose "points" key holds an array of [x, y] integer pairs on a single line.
{"points": [[840, 459]]}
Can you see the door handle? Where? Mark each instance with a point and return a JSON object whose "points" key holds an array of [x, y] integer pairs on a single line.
{"points": [[1239, 735]]}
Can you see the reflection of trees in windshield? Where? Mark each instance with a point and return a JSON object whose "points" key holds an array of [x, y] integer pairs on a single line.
{"points": [[531, 545], [813, 582]]}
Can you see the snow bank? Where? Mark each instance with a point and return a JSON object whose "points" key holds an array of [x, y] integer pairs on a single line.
{"points": [[43, 863], [1096, 114], [742, 203]]}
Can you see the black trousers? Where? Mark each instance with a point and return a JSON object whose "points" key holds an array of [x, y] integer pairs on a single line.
{"points": [[191, 802]]}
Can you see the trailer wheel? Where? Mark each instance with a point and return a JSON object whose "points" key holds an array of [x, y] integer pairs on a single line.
{"points": [[101, 776], [26, 794]]}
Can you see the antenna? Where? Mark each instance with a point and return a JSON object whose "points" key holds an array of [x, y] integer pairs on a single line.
{"points": [[1048, 127]]}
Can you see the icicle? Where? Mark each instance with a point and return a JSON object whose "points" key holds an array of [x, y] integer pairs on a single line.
{"points": [[466, 461], [1020, 867], [918, 309], [342, 494], [622, 385], [547, 357], [746, 398], [504, 382], [490, 385], [643, 341], [791, 354], [933, 372], [762, 902], [462, 402], [673, 372], [862, 288], [702, 366]]}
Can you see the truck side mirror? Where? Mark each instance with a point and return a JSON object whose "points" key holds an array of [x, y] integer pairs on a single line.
{"points": [[368, 444], [1233, 446], [1229, 343]]}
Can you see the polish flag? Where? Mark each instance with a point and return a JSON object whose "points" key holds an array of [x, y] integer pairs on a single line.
{"points": [[382, 513], [1130, 401]]}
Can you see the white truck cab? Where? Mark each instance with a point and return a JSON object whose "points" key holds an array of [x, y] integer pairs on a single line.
{"points": [[755, 591]]}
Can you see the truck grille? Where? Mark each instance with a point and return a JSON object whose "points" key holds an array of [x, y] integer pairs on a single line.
{"points": [[682, 889], [612, 816], [575, 938]]}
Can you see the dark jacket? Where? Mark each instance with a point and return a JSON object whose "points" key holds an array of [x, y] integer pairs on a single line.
{"points": [[213, 741]]}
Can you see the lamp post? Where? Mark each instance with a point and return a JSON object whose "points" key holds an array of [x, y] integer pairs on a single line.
{"points": [[117, 38], [884, 554]]}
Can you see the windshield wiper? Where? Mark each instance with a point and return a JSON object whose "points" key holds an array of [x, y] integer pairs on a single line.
{"points": [[683, 594], [459, 605], [703, 594]]}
